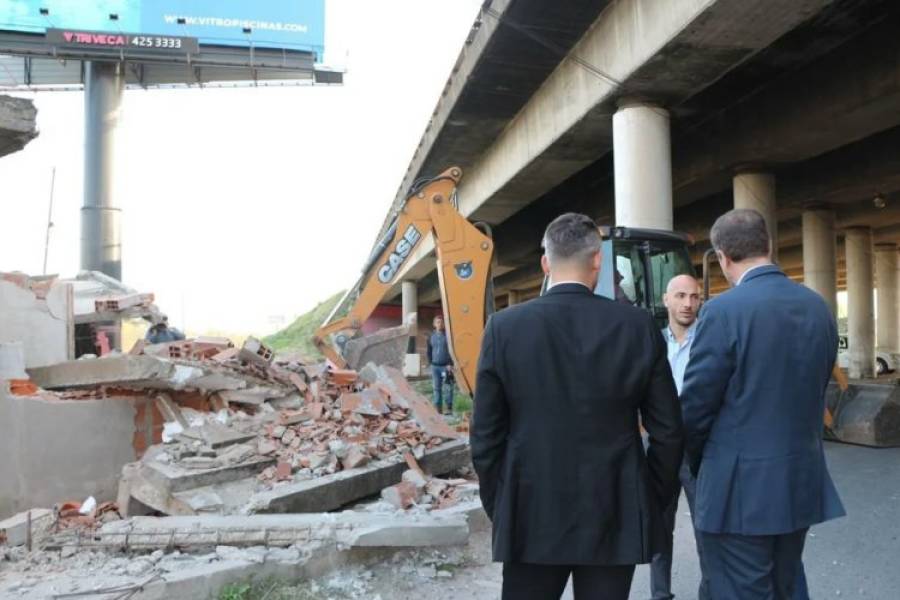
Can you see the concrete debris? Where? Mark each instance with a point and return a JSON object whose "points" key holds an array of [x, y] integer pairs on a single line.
{"points": [[36, 523], [214, 550], [330, 491], [255, 351], [416, 478], [229, 436], [225, 421], [402, 495]]}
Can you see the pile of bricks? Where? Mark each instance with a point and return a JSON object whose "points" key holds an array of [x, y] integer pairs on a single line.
{"points": [[310, 420], [343, 426]]}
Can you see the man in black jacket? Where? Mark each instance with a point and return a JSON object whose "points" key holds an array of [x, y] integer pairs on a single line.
{"points": [[563, 383], [438, 351]]}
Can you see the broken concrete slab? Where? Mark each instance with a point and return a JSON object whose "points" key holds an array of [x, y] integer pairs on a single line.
{"points": [[334, 491], [472, 510], [157, 485], [131, 371], [177, 479], [351, 529], [14, 531], [412, 533], [116, 370], [255, 395], [215, 435]]}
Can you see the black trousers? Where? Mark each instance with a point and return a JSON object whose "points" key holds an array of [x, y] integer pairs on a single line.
{"points": [[754, 567], [547, 582], [661, 567]]}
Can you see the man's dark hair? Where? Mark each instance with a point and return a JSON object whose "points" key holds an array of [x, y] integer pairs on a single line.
{"points": [[740, 234], [571, 236]]}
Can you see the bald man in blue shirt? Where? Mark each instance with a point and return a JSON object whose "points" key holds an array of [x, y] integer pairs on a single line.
{"points": [[682, 300]]}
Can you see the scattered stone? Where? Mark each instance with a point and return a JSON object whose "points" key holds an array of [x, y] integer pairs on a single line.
{"points": [[416, 478], [288, 437], [318, 459], [435, 487], [401, 496], [355, 457], [283, 471], [266, 447], [339, 448]]}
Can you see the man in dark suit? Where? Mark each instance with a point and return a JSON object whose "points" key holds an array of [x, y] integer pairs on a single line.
{"points": [[563, 381], [753, 402]]}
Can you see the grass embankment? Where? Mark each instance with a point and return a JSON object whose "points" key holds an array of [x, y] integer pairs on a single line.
{"points": [[296, 338]]}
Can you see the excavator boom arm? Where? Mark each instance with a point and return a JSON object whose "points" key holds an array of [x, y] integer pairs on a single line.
{"points": [[464, 257]]}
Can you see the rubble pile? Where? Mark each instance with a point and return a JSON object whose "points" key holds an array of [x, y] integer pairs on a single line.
{"points": [[224, 437]]}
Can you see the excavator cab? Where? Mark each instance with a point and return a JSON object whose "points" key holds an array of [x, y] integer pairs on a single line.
{"points": [[638, 264]]}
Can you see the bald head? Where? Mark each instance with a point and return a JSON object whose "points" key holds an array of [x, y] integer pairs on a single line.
{"points": [[682, 299], [682, 282]]}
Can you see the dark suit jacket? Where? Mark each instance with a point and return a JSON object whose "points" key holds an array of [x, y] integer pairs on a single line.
{"points": [[753, 402], [555, 438]]}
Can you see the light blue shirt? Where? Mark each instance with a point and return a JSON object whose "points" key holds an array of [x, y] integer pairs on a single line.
{"points": [[679, 353]]}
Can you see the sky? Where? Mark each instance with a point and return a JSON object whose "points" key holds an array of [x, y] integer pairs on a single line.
{"points": [[243, 208]]}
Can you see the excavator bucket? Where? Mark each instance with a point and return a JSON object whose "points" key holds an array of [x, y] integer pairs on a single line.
{"points": [[865, 413], [384, 347]]}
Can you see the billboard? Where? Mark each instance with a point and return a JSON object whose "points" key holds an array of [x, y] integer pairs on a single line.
{"points": [[290, 24]]}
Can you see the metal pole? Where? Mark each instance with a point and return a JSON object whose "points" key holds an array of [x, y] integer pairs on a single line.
{"points": [[49, 220], [101, 247]]}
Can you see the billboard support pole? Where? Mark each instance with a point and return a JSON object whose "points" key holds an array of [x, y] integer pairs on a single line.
{"points": [[101, 244]]}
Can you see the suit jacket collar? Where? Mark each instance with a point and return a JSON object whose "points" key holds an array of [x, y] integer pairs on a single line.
{"points": [[569, 288], [761, 272]]}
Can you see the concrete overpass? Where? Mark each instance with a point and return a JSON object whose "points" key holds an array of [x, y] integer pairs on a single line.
{"points": [[17, 124], [667, 114]]}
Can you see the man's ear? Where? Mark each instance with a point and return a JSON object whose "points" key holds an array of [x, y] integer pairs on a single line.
{"points": [[597, 260], [724, 261], [545, 264]]}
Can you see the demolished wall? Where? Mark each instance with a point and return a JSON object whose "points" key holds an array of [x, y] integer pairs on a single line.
{"points": [[38, 313], [54, 450]]}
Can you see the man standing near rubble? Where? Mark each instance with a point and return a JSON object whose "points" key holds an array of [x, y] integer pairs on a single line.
{"points": [[441, 363], [753, 400], [682, 301], [562, 382]]}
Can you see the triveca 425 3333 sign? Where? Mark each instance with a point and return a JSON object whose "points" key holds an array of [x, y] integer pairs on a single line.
{"points": [[122, 41]]}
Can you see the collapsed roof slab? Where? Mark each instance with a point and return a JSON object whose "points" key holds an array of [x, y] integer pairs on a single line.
{"points": [[18, 124]]}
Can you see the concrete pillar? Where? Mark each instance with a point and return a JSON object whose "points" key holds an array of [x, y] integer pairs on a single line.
{"points": [[820, 254], [513, 297], [101, 242], [410, 299], [412, 363], [757, 191], [888, 307], [860, 303], [642, 157]]}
